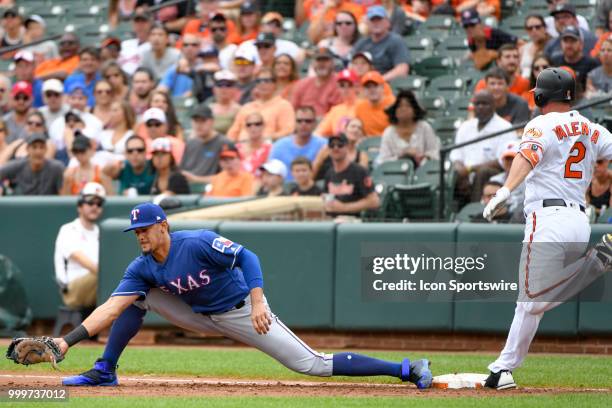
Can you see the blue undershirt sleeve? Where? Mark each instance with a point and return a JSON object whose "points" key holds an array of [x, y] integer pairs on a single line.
{"points": [[249, 263]]}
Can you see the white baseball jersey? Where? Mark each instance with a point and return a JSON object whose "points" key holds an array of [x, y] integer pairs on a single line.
{"points": [[562, 149]]}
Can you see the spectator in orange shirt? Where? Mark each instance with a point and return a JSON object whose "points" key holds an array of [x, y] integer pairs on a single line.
{"points": [[603, 37], [278, 114], [67, 62], [361, 64], [247, 27], [371, 111], [509, 60], [232, 181], [336, 119], [199, 26], [321, 92], [322, 19]]}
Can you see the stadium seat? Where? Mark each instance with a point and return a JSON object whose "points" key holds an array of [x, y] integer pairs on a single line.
{"points": [[435, 105], [455, 47], [415, 83], [460, 108], [394, 172], [446, 128], [409, 202], [469, 212], [371, 146], [420, 47], [449, 86], [433, 67], [442, 24]]}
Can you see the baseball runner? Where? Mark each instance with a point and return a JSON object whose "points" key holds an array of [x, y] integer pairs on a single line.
{"points": [[557, 156], [200, 281]]}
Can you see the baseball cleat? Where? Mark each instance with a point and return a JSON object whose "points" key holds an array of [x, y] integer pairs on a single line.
{"points": [[417, 372], [501, 380], [101, 375], [603, 250]]}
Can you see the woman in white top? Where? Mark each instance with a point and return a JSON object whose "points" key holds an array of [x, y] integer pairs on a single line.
{"points": [[119, 129], [103, 92], [409, 135], [538, 37]]}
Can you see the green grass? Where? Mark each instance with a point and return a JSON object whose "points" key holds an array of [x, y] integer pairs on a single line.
{"points": [[563, 371], [540, 401]]}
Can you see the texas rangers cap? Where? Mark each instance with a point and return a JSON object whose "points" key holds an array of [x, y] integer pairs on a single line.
{"points": [[145, 215]]}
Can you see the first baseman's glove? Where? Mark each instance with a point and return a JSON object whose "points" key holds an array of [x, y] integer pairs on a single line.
{"points": [[34, 350], [496, 203]]}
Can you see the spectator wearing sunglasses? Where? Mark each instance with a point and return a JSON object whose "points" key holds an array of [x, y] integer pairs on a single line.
{"points": [[266, 49], [256, 149], [535, 27], [53, 97], [221, 40], [278, 114], [348, 188], [84, 170], [67, 62], [77, 250], [302, 143], [225, 108], [135, 174], [156, 124], [21, 103]]}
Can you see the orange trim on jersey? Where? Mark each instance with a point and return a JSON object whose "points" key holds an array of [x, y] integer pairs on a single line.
{"points": [[531, 156], [527, 292]]}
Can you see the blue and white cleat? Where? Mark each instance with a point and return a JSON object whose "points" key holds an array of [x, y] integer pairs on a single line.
{"points": [[101, 375], [417, 372]]}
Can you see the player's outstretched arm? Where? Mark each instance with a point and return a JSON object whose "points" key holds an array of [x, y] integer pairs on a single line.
{"points": [[98, 320]]}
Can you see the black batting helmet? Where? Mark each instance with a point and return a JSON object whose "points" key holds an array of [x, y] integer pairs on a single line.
{"points": [[554, 84]]}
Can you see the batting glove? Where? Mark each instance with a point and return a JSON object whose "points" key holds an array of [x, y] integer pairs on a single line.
{"points": [[496, 203]]}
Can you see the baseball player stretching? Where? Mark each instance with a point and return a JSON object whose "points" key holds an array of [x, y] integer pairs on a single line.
{"points": [[200, 281], [557, 156]]}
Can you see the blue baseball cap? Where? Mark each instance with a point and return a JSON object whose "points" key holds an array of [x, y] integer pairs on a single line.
{"points": [[145, 215], [74, 86], [377, 12]]}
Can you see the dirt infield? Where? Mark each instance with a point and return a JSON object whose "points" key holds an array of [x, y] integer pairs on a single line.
{"points": [[154, 386]]}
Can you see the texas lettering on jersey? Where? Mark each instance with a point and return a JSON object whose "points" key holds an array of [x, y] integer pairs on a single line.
{"points": [[186, 284]]}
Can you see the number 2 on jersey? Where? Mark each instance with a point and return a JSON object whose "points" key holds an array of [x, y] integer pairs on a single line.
{"points": [[575, 159]]}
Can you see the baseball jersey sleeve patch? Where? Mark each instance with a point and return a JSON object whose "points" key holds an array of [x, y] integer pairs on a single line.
{"points": [[532, 152], [225, 246]]}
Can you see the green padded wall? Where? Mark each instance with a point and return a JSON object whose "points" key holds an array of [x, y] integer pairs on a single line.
{"points": [[596, 317], [28, 231], [298, 267], [351, 311], [496, 317], [118, 249]]}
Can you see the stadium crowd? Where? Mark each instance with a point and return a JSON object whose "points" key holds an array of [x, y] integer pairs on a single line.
{"points": [[274, 113]]}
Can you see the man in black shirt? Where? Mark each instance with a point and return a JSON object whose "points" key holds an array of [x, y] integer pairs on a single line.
{"points": [[507, 105], [572, 45], [348, 187]]}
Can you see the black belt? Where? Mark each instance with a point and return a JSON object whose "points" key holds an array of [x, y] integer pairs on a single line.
{"points": [[240, 304], [557, 202]]}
